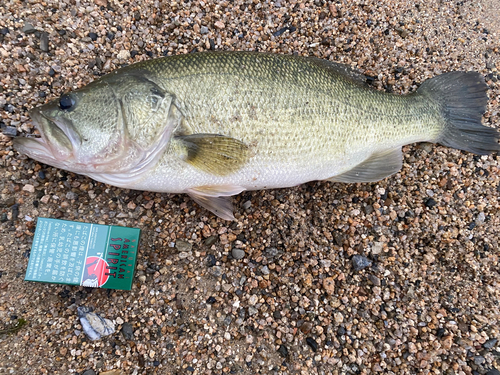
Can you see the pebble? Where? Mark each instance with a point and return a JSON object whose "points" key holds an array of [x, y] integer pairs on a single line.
{"points": [[377, 247], [312, 344], [216, 271], [237, 253], [329, 285], [253, 300], [360, 262], [29, 188], [44, 41], [183, 246], [123, 54], [283, 351], [204, 30], [306, 327], [28, 28], [89, 372], [211, 240], [374, 280], [127, 331], [479, 360], [481, 217], [430, 202], [219, 24], [490, 343], [10, 131], [252, 310]]}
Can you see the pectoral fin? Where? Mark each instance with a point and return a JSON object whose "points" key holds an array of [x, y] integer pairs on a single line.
{"points": [[216, 199], [213, 153], [375, 168]]}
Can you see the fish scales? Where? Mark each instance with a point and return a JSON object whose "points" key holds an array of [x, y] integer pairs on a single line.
{"points": [[300, 118], [214, 124]]}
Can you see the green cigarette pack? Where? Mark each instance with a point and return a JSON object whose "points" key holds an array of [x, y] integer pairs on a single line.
{"points": [[74, 253]]}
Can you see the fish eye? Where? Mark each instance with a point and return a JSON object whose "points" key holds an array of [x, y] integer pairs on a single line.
{"points": [[66, 102]]}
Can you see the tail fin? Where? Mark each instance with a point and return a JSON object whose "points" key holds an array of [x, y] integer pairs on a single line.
{"points": [[463, 97]]}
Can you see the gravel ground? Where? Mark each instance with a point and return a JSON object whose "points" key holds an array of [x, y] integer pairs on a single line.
{"points": [[397, 277]]}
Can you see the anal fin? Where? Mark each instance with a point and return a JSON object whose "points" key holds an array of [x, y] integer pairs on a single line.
{"points": [[377, 167], [216, 199]]}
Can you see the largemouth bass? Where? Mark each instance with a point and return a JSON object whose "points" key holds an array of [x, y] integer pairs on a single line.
{"points": [[217, 123]]}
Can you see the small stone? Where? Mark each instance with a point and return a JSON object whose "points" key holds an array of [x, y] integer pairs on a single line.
{"points": [[368, 209], [338, 317], [253, 299], [71, 195], [329, 285], [252, 311], [204, 30], [265, 270], [360, 262], [493, 371], [142, 278], [481, 217], [325, 263], [44, 41], [312, 344], [216, 271], [119, 320], [219, 24], [374, 280], [183, 246], [283, 351], [10, 131], [28, 28], [123, 54], [377, 247], [29, 188], [402, 32], [447, 342], [89, 372], [10, 201], [211, 260], [102, 3], [211, 300], [237, 254], [183, 255], [127, 330], [226, 287], [306, 327], [211, 240], [479, 360], [412, 348], [93, 36], [490, 343], [430, 202]]}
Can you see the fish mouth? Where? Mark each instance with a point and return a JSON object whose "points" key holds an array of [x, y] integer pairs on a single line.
{"points": [[56, 144]]}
